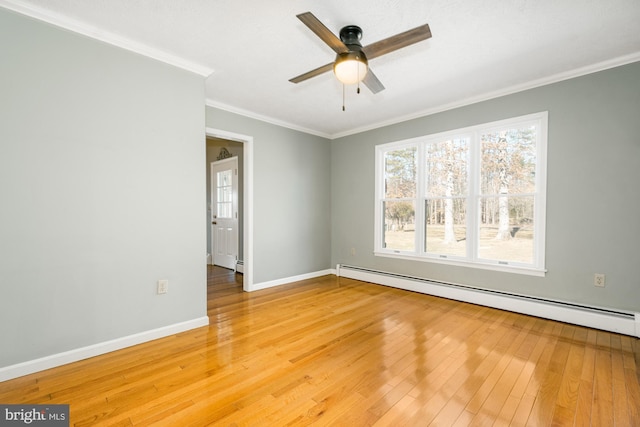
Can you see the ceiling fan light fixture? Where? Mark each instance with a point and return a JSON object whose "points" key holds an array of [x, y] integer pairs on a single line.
{"points": [[350, 67]]}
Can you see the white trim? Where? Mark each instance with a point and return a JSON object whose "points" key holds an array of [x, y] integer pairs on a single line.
{"points": [[203, 70], [627, 323], [287, 280], [209, 259], [239, 267], [515, 269], [262, 118], [96, 33], [247, 254], [567, 75], [59, 359]]}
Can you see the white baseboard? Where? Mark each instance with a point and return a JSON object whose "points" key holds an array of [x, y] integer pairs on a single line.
{"points": [[209, 259], [612, 320], [278, 282], [47, 362]]}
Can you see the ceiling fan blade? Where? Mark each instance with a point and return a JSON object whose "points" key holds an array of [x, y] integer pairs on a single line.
{"points": [[398, 41], [312, 73], [323, 32], [371, 81]]}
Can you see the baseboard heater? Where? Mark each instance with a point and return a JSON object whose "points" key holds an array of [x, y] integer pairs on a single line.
{"points": [[619, 321]]}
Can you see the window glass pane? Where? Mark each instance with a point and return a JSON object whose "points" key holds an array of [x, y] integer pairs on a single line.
{"points": [[224, 194], [507, 237], [446, 165], [399, 229], [224, 178], [225, 210], [400, 173], [445, 226], [508, 161]]}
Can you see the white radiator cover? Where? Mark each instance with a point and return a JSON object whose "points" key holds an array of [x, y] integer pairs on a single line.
{"points": [[619, 321]]}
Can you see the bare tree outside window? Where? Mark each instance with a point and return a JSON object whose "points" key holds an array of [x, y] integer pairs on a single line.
{"points": [[507, 176], [446, 165], [399, 199]]}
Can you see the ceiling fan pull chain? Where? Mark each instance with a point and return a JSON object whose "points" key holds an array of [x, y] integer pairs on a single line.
{"points": [[343, 109]]}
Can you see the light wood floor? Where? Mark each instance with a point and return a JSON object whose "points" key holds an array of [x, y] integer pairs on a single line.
{"points": [[335, 351]]}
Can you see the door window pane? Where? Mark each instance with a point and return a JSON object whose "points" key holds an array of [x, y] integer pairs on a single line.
{"points": [[224, 193]]}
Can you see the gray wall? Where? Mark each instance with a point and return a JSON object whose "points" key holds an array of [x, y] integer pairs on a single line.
{"points": [[291, 196], [593, 199], [102, 165]]}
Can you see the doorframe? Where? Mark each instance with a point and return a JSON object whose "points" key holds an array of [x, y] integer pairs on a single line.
{"points": [[247, 190]]}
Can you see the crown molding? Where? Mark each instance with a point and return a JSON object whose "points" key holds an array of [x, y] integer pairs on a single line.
{"points": [[567, 75], [59, 20], [262, 118], [76, 26]]}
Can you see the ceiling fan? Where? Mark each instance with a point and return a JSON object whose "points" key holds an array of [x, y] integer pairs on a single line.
{"points": [[351, 64]]}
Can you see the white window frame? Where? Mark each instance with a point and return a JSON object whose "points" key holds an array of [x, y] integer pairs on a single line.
{"points": [[471, 259]]}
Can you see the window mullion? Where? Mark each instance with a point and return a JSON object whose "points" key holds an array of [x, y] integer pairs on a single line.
{"points": [[473, 201]]}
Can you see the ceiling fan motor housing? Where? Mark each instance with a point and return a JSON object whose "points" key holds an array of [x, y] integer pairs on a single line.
{"points": [[351, 67], [351, 35]]}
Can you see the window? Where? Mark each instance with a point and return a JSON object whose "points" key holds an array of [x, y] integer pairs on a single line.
{"points": [[473, 196], [224, 194]]}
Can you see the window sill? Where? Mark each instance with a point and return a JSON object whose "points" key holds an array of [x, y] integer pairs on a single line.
{"points": [[516, 269]]}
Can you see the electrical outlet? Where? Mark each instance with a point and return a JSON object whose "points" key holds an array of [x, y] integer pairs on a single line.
{"points": [[598, 280], [163, 286], [353, 251]]}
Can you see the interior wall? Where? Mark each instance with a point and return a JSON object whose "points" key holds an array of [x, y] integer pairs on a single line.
{"points": [[102, 180], [291, 197], [593, 206], [214, 145]]}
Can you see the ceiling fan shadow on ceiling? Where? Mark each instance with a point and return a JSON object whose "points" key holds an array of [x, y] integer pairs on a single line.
{"points": [[351, 65]]}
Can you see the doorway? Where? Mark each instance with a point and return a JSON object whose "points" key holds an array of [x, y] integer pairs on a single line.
{"points": [[240, 146], [224, 212]]}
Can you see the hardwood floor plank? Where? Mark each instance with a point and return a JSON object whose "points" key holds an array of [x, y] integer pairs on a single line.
{"points": [[336, 351], [633, 396], [602, 410], [584, 404], [522, 416]]}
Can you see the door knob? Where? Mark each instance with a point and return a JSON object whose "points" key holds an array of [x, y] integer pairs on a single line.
{"points": [[213, 222]]}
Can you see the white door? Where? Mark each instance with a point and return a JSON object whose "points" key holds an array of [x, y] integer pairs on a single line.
{"points": [[224, 212]]}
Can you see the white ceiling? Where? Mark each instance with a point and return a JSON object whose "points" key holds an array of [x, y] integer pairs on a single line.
{"points": [[250, 49]]}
